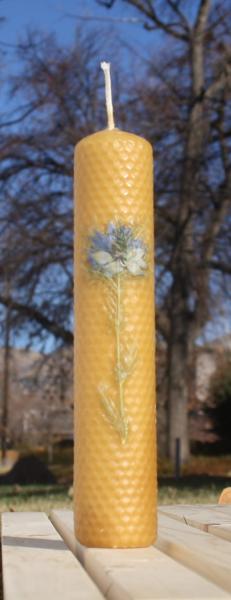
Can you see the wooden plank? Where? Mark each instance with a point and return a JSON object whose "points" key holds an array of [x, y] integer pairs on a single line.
{"points": [[215, 519], [204, 553], [138, 574], [199, 515], [222, 531], [37, 564]]}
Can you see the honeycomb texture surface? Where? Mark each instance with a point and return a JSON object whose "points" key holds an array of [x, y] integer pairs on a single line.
{"points": [[115, 496]]}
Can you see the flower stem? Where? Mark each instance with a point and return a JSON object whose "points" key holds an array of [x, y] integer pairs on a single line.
{"points": [[118, 362]]}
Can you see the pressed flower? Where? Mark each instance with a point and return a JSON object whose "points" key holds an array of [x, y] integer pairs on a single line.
{"points": [[117, 251], [114, 253]]}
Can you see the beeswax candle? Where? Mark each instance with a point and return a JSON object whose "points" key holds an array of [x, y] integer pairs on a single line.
{"points": [[115, 462]]}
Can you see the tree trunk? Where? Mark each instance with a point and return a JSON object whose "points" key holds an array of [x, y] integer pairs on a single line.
{"points": [[5, 387], [178, 384], [178, 413], [184, 295]]}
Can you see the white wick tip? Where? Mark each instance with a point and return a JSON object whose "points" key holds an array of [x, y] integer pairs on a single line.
{"points": [[108, 94]]}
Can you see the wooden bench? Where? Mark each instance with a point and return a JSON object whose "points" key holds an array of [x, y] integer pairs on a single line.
{"points": [[42, 560]]}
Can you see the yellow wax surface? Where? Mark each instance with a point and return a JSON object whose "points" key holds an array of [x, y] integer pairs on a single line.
{"points": [[114, 379]]}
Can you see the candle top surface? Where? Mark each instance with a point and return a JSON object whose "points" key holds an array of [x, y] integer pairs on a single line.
{"points": [[113, 135]]}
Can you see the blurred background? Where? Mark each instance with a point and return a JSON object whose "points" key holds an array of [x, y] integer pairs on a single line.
{"points": [[171, 76]]}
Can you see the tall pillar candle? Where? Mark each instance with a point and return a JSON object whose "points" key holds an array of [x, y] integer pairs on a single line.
{"points": [[114, 377]]}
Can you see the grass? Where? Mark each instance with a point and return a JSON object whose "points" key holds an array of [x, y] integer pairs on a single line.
{"points": [[202, 481], [34, 498], [45, 498], [199, 492]]}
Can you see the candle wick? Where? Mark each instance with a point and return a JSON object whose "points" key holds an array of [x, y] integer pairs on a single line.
{"points": [[108, 94]]}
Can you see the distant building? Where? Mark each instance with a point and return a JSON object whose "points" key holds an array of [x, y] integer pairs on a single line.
{"points": [[207, 360], [41, 393], [208, 357], [40, 396]]}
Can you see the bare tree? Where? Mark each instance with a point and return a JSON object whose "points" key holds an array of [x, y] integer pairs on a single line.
{"points": [[6, 381], [57, 105], [182, 107], [187, 117]]}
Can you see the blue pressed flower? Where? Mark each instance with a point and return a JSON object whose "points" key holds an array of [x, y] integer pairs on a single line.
{"points": [[137, 244], [111, 228], [92, 262], [125, 231], [100, 241], [117, 251]]}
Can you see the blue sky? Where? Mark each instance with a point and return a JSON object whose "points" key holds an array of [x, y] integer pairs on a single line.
{"points": [[54, 15], [59, 16], [51, 15]]}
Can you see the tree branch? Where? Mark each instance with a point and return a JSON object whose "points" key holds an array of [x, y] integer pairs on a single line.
{"points": [[219, 265], [148, 10], [184, 23], [35, 315], [202, 17], [198, 47], [215, 225], [163, 324]]}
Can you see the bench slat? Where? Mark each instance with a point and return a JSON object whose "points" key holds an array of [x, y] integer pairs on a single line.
{"points": [[204, 553], [222, 531], [138, 574], [215, 519], [37, 564], [199, 516]]}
